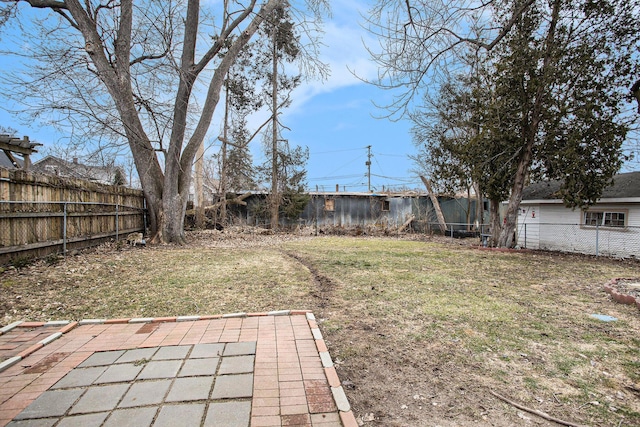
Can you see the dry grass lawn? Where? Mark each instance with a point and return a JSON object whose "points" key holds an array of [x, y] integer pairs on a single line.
{"points": [[422, 332]]}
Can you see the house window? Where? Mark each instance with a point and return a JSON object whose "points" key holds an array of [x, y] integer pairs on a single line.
{"points": [[605, 219], [329, 205], [385, 206]]}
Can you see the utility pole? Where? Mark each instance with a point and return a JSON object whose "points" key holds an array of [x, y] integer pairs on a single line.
{"points": [[368, 163]]}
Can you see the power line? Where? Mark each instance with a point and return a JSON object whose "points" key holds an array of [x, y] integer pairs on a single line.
{"points": [[402, 179], [327, 178], [335, 151], [392, 155]]}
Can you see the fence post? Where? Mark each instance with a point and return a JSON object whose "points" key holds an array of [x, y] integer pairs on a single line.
{"points": [[452, 232], [64, 230], [525, 236], [597, 237], [117, 221]]}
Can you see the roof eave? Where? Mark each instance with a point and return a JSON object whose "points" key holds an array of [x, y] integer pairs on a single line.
{"points": [[601, 201]]}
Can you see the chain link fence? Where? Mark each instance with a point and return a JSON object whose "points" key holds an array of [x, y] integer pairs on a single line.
{"points": [[35, 229], [617, 242]]}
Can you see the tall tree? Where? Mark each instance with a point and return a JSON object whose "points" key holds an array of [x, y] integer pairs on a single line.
{"points": [[240, 101], [563, 76], [282, 48], [560, 71], [124, 51], [290, 179]]}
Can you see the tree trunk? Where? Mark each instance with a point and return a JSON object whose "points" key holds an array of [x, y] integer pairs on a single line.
{"points": [[223, 156], [494, 220], [275, 195], [479, 207], [199, 201], [506, 237], [179, 162], [532, 120]]}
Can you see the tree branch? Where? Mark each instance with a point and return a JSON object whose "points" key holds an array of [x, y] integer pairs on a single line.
{"points": [[149, 57], [211, 53], [46, 4], [533, 411], [213, 93]]}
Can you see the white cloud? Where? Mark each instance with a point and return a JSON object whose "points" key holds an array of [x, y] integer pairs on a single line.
{"points": [[344, 52]]}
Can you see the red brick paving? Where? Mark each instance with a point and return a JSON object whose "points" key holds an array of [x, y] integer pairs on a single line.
{"points": [[291, 385]]}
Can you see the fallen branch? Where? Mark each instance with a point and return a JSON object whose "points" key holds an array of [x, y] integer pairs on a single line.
{"points": [[632, 388], [436, 204], [235, 201], [406, 223], [533, 411]]}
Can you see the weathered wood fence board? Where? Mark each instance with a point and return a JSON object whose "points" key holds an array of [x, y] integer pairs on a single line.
{"points": [[41, 214]]}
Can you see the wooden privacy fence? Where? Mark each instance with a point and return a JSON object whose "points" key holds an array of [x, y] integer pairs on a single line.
{"points": [[42, 214]]}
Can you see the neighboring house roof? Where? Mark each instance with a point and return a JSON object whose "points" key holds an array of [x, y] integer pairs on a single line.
{"points": [[52, 165], [625, 185], [5, 161]]}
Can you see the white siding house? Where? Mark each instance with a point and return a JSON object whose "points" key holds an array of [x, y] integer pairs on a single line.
{"points": [[610, 227]]}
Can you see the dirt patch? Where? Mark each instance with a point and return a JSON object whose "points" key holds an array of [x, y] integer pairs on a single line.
{"points": [[45, 364], [324, 286]]}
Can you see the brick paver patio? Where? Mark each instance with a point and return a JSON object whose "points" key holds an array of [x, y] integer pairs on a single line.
{"points": [[264, 369]]}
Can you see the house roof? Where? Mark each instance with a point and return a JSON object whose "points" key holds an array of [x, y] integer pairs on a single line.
{"points": [[55, 166], [5, 161], [625, 185]]}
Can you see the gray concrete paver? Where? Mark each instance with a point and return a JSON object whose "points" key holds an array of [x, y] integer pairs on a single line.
{"points": [[160, 369], [119, 373], [192, 388], [236, 365], [233, 386], [98, 399], [80, 377], [206, 350], [50, 404], [102, 358], [240, 348], [145, 393], [137, 354], [172, 352], [136, 417], [197, 367], [228, 414], [88, 420], [189, 414], [42, 422]]}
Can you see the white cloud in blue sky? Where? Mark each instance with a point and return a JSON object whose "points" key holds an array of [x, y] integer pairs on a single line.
{"points": [[337, 120]]}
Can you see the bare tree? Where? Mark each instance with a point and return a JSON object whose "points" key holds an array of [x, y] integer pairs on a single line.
{"points": [[115, 57], [421, 40]]}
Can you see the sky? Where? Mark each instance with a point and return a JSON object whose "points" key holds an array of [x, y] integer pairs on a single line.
{"points": [[336, 118]]}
